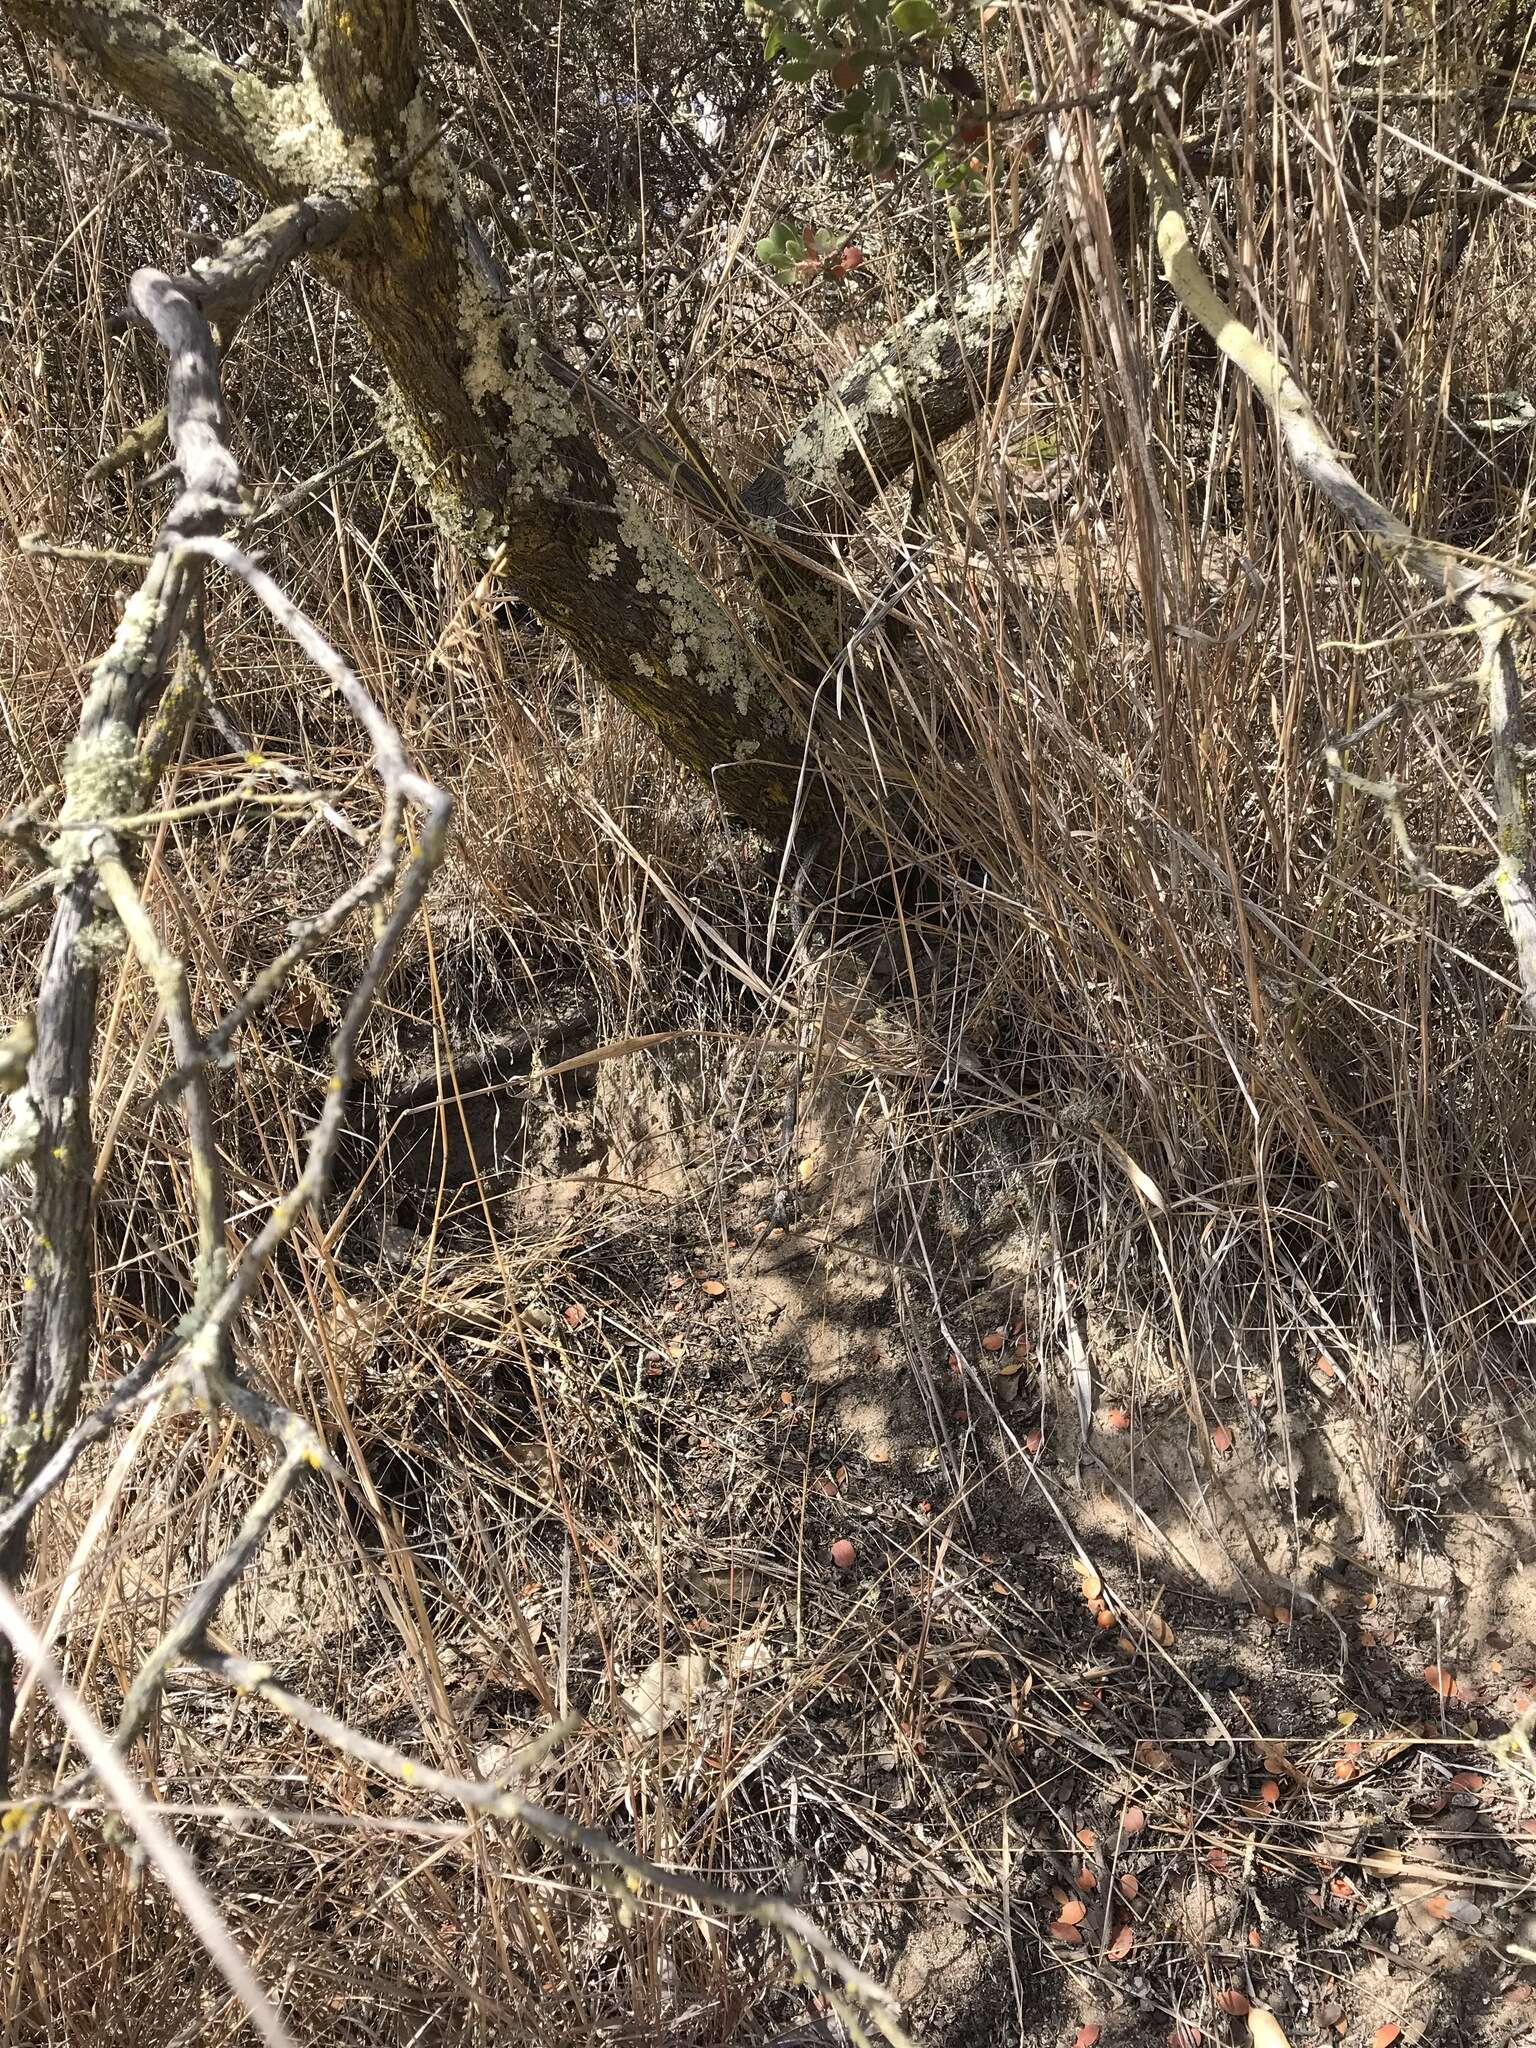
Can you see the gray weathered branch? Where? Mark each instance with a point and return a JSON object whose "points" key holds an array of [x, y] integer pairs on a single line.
{"points": [[1490, 598]]}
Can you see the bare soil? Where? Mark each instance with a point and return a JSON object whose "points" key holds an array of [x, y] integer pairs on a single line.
{"points": [[1056, 1726]]}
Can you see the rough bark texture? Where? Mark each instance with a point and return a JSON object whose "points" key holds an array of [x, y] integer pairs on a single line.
{"points": [[493, 439]]}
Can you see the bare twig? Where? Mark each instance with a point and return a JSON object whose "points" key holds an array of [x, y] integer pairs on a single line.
{"points": [[622, 1872], [163, 1850], [1490, 597]]}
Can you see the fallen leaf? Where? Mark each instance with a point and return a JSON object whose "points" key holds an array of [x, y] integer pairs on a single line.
{"points": [[1388, 2032], [1133, 1820], [1234, 2003], [1092, 1585], [1071, 1913], [575, 1316], [1437, 1906], [1087, 2035], [993, 1341], [1221, 1439], [1129, 1884], [1122, 1944], [1269, 1792], [843, 1553], [1439, 1680], [1117, 1419], [1465, 1781], [1138, 1177], [1264, 2030], [1087, 1837], [1185, 2035], [663, 1693], [713, 1288], [1065, 1930], [1087, 1880]]}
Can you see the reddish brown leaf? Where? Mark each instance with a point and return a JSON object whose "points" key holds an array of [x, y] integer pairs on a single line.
{"points": [[1129, 1884], [1122, 1944], [1234, 2003], [1065, 1930], [1388, 2032], [1221, 1439], [1438, 1906], [1439, 1680], [1133, 1820], [1087, 2035], [1071, 1913], [575, 1316], [1269, 1792]]}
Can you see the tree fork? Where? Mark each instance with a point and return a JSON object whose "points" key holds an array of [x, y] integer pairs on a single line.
{"points": [[494, 440]]}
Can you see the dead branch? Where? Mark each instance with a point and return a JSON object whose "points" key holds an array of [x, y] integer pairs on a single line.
{"points": [[1492, 598], [622, 1872]]}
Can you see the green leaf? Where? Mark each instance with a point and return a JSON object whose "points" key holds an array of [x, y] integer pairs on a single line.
{"points": [[914, 17]]}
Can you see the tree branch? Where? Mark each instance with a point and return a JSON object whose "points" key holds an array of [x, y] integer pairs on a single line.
{"points": [[622, 1871], [220, 116], [1489, 597]]}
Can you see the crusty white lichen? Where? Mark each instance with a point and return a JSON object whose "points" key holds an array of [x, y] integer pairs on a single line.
{"points": [[895, 375], [702, 643], [104, 777], [508, 381], [19, 1138], [430, 176], [603, 559], [288, 128], [473, 529]]}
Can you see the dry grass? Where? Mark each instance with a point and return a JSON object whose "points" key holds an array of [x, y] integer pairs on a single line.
{"points": [[1146, 1054]]}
